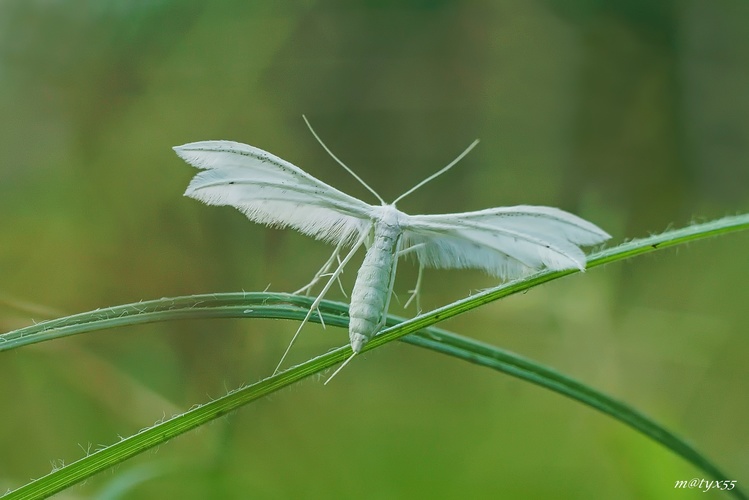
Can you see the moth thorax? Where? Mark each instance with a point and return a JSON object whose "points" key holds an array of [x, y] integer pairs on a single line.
{"points": [[387, 215]]}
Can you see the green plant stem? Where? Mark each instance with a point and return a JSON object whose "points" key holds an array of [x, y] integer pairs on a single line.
{"points": [[292, 307]]}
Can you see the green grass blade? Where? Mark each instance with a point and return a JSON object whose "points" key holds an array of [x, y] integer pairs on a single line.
{"points": [[288, 306], [292, 307], [215, 305], [103, 459], [536, 373], [433, 338]]}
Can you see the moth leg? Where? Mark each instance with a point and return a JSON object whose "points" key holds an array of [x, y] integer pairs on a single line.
{"points": [[415, 293], [340, 368], [340, 285], [383, 319], [380, 325], [410, 249], [316, 303], [320, 274], [323, 270]]}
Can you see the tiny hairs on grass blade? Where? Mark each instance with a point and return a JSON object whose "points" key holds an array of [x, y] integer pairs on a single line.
{"points": [[505, 242]]}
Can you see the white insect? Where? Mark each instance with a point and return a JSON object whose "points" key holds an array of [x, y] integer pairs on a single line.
{"points": [[506, 242]]}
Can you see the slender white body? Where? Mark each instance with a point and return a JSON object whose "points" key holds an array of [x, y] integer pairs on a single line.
{"points": [[374, 281]]}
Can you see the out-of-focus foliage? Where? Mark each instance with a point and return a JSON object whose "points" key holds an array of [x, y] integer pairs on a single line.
{"points": [[634, 115]]}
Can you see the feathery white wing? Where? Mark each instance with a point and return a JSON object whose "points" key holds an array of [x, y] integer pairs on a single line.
{"points": [[272, 191], [505, 242]]}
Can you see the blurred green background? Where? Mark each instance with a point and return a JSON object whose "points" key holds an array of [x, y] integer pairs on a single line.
{"points": [[632, 114]]}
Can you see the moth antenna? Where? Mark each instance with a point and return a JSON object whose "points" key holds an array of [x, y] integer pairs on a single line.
{"points": [[340, 368], [341, 163], [437, 174]]}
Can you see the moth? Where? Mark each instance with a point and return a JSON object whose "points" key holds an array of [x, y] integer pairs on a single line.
{"points": [[505, 242]]}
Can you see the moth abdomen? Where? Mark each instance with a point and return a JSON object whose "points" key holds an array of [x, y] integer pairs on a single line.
{"points": [[371, 293]]}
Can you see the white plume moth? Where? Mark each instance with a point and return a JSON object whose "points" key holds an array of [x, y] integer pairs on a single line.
{"points": [[505, 242]]}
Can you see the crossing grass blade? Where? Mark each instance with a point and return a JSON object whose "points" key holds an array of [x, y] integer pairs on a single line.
{"points": [[253, 305]]}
